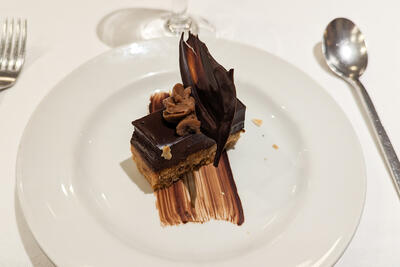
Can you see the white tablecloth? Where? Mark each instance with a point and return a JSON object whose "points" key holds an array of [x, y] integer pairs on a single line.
{"points": [[62, 35]]}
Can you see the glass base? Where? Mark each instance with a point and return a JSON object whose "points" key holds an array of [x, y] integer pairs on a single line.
{"points": [[167, 27], [130, 25], [177, 25]]}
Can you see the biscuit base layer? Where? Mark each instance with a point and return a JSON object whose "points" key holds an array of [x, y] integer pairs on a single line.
{"points": [[168, 176]]}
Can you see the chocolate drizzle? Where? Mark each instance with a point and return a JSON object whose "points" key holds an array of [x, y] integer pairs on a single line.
{"points": [[203, 195], [213, 89]]}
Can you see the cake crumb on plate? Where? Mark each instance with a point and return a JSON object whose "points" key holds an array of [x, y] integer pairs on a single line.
{"points": [[257, 122]]}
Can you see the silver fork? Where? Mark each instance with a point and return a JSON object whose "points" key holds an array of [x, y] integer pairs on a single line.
{"points": [[12, 50]]}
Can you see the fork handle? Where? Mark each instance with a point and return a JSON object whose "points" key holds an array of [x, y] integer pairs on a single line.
{"points": [[384, 142]]}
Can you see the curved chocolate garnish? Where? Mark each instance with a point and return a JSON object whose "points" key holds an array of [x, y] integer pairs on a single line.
{"points": [[180, 109], [212, 88]]}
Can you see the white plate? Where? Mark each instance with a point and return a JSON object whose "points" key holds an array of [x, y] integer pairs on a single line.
{"points": [[88, 206]]}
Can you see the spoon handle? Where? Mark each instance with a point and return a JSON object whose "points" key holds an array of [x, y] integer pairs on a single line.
{"points": [[384, 142]]}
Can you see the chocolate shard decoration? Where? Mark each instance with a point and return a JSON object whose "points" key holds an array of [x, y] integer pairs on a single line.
{"points": [[213, 89]]}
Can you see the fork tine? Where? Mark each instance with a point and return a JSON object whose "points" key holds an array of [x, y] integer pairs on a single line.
{"points": [[3, 41], [22, 48], [16, 45], [8, 43]]}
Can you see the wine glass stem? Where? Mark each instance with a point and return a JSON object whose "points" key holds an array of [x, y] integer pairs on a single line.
{"points": [[179, 21]]}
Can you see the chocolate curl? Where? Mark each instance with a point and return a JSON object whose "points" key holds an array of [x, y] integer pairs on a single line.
{"points": [[213, 89], [180, 109]]}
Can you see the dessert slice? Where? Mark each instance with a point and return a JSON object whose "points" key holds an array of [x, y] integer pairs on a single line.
{"points": [[162, 156]]}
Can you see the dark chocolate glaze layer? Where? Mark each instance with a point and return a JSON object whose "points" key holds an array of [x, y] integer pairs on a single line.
{"points": [[152, 133]]}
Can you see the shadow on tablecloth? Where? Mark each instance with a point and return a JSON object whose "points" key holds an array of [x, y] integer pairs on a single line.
{"points": [[125, 26], [319, 57], [36, 254]]}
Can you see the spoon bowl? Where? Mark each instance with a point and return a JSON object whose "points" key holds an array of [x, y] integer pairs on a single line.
{"points": [[344, 48]]}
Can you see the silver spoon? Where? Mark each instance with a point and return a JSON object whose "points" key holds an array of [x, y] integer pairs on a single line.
{"points": [[346, 54]]}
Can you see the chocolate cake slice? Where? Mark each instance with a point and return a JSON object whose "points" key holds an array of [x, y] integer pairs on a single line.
{"points": [[152, 135]]}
